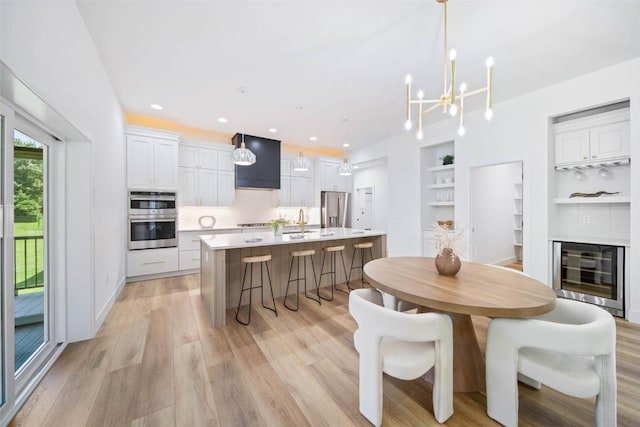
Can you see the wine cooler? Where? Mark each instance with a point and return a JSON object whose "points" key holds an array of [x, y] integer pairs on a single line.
{"points": [[591, 273]]}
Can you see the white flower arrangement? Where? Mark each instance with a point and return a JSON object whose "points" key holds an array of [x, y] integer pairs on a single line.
{"points": [[449, 240]]}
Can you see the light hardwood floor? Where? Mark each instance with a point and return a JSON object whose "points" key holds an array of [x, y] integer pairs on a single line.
{"points": [[156, 362]]}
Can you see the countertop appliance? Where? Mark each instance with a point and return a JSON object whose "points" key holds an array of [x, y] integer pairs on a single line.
{"points": [[335, 209], [152, 220]]}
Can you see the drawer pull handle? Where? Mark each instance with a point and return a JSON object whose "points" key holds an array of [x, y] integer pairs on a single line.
{"points": [[195, 259], [196, 240], [154, 262]]}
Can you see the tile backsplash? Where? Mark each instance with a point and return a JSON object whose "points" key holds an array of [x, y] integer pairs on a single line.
{"points": [[608, 221], [250, 206]]}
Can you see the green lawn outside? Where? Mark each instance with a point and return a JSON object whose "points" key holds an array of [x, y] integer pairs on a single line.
{"points": [[31, 273]]}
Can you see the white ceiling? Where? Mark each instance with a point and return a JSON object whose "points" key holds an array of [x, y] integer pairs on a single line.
{"points": [[308, 65]]}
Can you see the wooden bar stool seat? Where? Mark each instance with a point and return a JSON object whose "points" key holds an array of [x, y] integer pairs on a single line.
{"points": [[305, 255], [362, 246], [251, 261], [332, 251]]}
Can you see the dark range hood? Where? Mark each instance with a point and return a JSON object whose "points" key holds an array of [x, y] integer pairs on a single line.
{"points": [[265, 172]]}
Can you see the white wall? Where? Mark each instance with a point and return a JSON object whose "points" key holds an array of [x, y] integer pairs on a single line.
{"points": [[46, 44], [519, 131], [493, 222]]}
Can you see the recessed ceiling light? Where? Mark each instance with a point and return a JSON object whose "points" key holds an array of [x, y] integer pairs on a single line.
{"points": [[156, 106], [345, 145], [356, 166], [273, 130], [222, 119], [314, 138]]}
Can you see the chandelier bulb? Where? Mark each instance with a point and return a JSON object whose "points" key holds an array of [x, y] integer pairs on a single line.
{"points": [[407, 79], [463, 88], [408, 125], [461, 131], [453, 110], [452, 55], [488, 114], [420, 94], [419, 135], [490, 61]]}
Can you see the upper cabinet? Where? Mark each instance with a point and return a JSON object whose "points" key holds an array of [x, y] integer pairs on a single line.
{"points": [[151, 159], [296, 187], [328, 176], [206, 175], [593, 139]]}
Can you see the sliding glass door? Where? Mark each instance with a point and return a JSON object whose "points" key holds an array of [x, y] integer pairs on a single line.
{"points": [[27, 330]]}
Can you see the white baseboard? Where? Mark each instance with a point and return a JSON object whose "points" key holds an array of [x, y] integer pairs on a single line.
{"points": [[505, 261], [634, 316], [107, 307]]}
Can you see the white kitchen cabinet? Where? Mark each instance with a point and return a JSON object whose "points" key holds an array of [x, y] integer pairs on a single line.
{"points": [[296, 187], [206, 176], [284, 194], [226, 188], [593, 139], [572, 146], [301, 191], [151, 160], [329, 178], [610, 141], [152, 261], [189, 249]]}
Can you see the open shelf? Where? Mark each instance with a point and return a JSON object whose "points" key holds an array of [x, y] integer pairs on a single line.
{"points": [[591, 200], [441, 168], [449, 185], [517, 244], [441, 204]]}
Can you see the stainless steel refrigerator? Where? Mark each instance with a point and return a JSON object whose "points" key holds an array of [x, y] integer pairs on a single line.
{"points": [[335, 209]]}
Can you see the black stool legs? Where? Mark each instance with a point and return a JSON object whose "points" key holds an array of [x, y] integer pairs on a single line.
{"points": [[361, 266], [332, 273], [251, 287], [298, 278]]}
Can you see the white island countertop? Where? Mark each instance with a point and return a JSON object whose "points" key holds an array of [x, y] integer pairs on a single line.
{"points": [[249, 240]]}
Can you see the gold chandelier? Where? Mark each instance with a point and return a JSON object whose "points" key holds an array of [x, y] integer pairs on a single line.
{"points": [[450, 101]]}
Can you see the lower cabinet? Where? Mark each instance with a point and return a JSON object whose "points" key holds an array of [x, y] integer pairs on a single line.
{"points": [[151, 261], [189, 246]]}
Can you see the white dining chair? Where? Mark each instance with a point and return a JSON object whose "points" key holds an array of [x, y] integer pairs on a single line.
{"points": [[404, 346], [570, 349], [397, 304]]}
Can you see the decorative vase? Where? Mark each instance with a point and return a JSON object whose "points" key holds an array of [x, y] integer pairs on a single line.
{"points": [[278, 230], [447, 263]]}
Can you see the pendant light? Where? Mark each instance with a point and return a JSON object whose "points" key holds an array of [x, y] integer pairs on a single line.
{"points": [[243, 156], [345, 169], [301, 163]]}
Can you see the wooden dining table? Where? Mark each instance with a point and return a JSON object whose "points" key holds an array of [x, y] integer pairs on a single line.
{"points": [[477, 289]]}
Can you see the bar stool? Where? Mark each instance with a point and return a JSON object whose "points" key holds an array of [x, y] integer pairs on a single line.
{"points": [[305, 254], [362, 246], [332, 250], [250, 261]]}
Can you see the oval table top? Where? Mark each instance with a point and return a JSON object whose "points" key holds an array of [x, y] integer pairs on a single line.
{"points": [[477, 289]]}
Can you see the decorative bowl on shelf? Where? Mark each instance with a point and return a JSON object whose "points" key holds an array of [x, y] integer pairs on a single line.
{"points": [[446, 224]]}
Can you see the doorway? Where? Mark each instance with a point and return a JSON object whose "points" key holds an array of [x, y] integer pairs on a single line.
{"points": [[496, 214], [364, 212]]}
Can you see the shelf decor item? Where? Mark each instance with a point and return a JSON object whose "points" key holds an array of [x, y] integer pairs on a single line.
{"points": [[449, 246], [447, 160], [278, 224]]}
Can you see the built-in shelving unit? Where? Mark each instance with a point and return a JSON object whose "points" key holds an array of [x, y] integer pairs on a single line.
{"points": [[437, 191], [517, 216]]}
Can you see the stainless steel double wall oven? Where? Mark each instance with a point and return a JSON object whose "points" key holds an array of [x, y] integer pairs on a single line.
{"points": [[152, 220]]}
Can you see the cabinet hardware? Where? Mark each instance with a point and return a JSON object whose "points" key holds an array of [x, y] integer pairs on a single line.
{"points": [[154, 262]]}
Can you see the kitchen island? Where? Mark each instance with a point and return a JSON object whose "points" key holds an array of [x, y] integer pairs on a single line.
{"points": [[221, 268]]}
